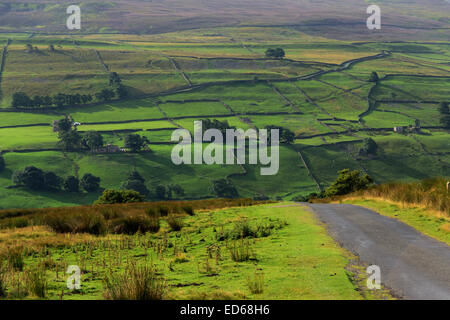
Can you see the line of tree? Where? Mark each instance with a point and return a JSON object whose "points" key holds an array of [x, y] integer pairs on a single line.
{"points": [[136, 182], [37, 179], [22, 100], [70, 139], [117, 90]]}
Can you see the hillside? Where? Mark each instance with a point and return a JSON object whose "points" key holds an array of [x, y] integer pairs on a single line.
{"points": [[415, 20]]}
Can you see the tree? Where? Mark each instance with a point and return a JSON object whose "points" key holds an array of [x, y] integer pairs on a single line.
{"points": [[63, 125], [29, 48], [51, 48], [277, 53], [105, 95], [224, 188], [347, 182], [86, 98], [369, 147], [31, 177], [161, 192], [223, 126], [137, 186], [52, 181], [374, 77], [122, 92], [69, 140], [21, 99], [114, 197], [2, 163], [134, 175], [71, 184], [92, 140], [136, 182], [443, 108], [90, 183], [176, 189], [114, 79], [36, 101], [135, 142], [286, 135], [445, 121]]}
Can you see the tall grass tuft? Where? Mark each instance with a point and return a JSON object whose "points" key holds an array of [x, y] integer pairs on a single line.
{"points": [[241, 251], [3, 286], [136, 283], [256, 283], [139, 223], [430, 193], [175, 223], [36, 282], [14, 257], [77, 222]]}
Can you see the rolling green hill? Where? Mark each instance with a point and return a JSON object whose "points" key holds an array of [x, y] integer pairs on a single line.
{"points": [[320, 91]]}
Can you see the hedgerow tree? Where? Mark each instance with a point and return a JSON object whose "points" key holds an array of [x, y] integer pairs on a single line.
{"points": [[374, 77], [224, 188], [135, 142], [92, 140], [347, 182], [21, 99], [105, 95], [90, 183], [69, 138], [216, 124], [277, 53], [285, 135], [114, 79]]}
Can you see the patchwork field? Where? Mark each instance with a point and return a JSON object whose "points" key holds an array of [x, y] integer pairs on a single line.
{"points": [[321, 91]]}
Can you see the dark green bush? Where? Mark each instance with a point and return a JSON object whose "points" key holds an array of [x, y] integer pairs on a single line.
{"points": [[133, 224], [77, 222]]}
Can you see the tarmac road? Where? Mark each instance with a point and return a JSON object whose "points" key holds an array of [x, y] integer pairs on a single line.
{"points": [[413, 266]]}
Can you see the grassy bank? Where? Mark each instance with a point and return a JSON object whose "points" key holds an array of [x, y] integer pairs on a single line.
{"points": [[271, 251]]}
